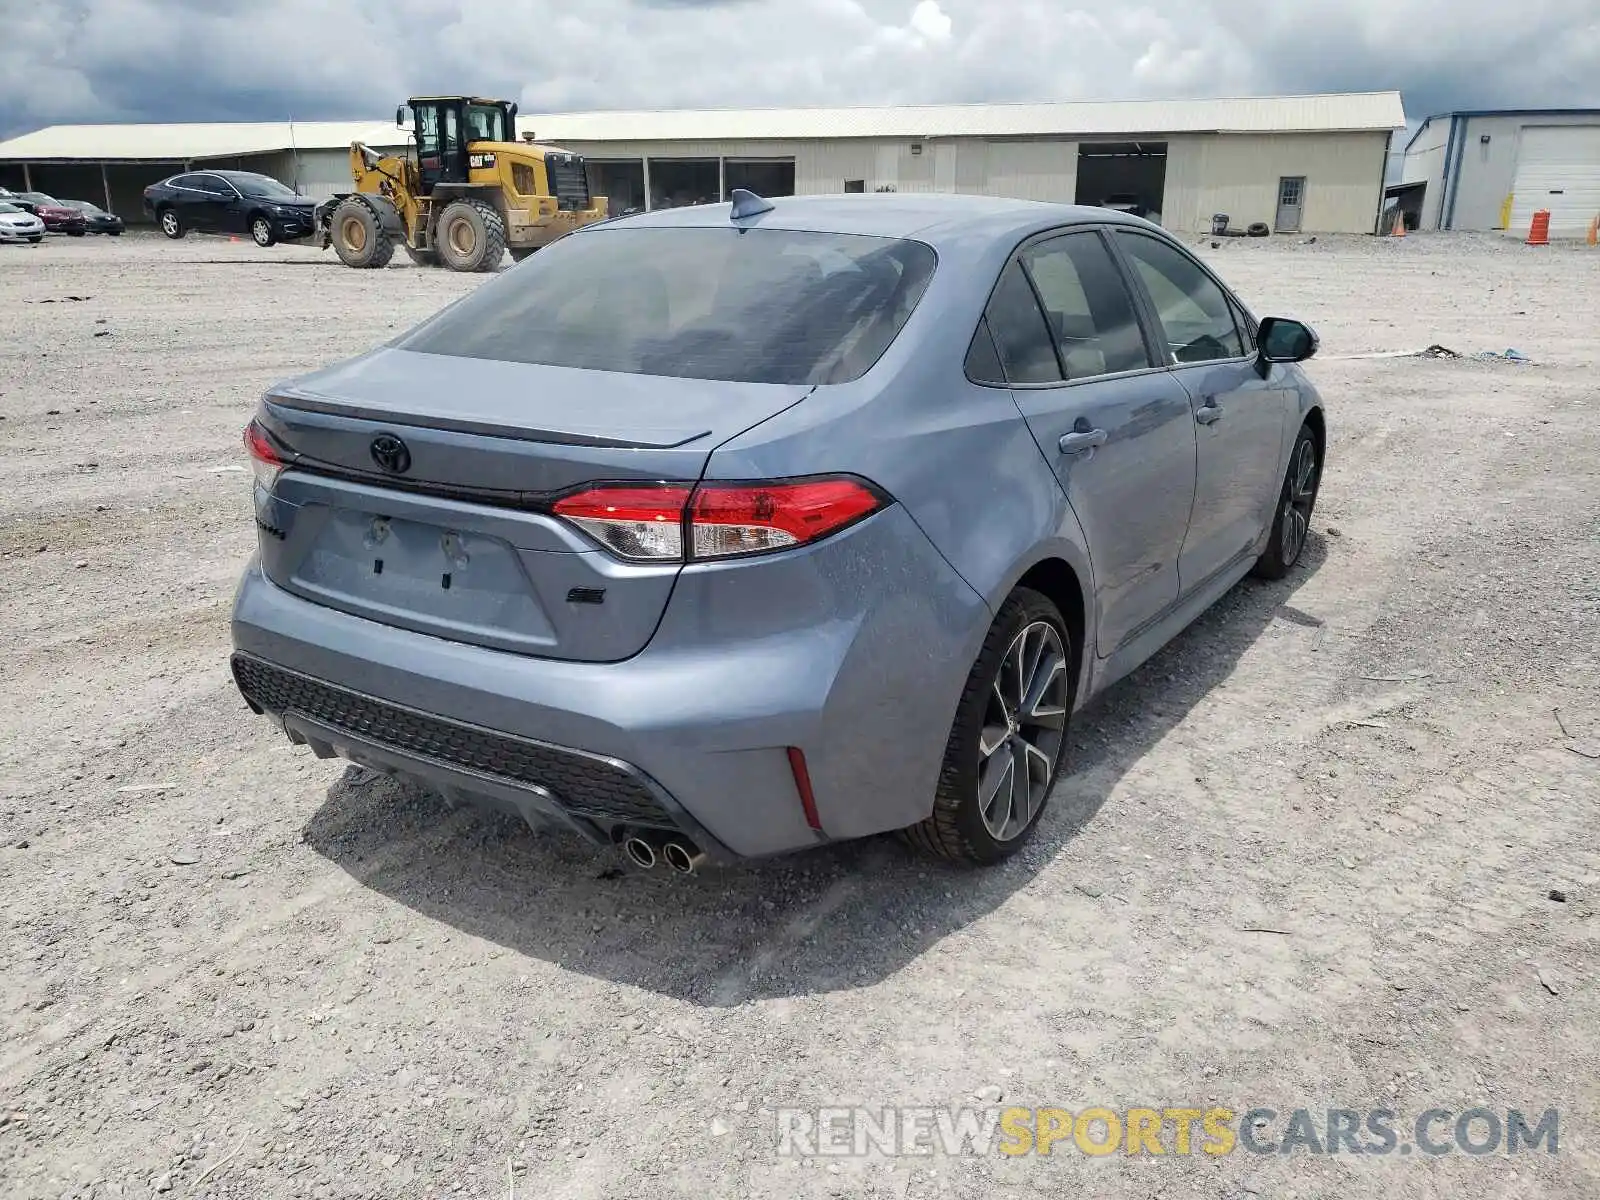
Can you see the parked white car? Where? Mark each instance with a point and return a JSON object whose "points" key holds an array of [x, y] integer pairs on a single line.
{"points": [[19, 225]]}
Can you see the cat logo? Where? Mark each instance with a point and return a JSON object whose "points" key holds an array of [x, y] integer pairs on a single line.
{"points": [[477, 161]]}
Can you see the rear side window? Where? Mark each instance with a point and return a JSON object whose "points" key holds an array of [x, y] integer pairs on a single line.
{"points": [[1193, 310], [1019, 330], [751, 306], [983, 360], [1087, 305]]}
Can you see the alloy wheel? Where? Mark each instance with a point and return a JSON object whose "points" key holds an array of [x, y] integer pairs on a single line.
{"points": [[1297, 505], [1024, 726], [169, 223], [261, 231]]}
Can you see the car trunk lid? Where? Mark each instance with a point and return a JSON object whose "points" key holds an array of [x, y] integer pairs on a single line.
{"points": [[419, 488]]}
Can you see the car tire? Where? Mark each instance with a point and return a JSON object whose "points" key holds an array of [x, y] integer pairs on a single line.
{"points": [[36, 239], [171, 223], [1297, 499], [1028, 648], [359, 237], [76, 232], [261, 231], [113, 233], [471, 236], [518, 253]]}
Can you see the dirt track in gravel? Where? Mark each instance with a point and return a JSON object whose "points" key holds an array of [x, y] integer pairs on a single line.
{"points": [[215, 945]]}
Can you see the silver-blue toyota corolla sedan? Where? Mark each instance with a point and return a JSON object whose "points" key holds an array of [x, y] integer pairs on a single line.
{"points": [[725, 531]]}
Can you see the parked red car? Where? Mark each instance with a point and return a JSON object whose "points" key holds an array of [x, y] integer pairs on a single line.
{"points": [[57, 217]]}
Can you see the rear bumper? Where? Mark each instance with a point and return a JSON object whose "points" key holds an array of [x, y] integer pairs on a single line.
{"points": [[591, 794], [854, 652]]}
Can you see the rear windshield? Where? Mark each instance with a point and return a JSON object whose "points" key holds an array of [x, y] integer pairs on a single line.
{"points": [[748, 306]]}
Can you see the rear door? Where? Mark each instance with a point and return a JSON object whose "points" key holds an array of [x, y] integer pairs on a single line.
{"points": [[185, 195], [1239, 416], [1112, 423], [210, 202]]}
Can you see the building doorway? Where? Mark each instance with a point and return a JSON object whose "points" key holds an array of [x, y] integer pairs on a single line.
{"points": [[763, 176], [1130, 177], [1291, 203], [681, 182]]}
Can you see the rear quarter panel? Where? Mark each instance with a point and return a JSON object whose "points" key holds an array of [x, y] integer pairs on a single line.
{"points": [[958, 457]]}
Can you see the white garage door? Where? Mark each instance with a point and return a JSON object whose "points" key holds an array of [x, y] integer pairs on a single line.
{"points": [[1558, 167]]}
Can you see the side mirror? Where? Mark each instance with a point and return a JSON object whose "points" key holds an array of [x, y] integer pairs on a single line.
{"points": [[402, 116], [1281, 340]]}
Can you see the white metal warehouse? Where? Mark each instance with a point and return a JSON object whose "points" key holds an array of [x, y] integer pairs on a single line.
{"points": [[1494, 170], [1311, 163], [1293, 163]]}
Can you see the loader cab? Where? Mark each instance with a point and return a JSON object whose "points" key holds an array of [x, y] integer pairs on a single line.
{"points": [[444, 126]]}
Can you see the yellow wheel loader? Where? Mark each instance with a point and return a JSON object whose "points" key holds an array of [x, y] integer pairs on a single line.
{"points": [[469, 193]]}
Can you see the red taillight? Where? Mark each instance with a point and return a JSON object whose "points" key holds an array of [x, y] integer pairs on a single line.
{"points": [[633, 522], [733, 519], [723, 520], [265, 460]]}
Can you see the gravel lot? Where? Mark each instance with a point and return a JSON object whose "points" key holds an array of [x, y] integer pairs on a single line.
{"points": [[230, 970]]}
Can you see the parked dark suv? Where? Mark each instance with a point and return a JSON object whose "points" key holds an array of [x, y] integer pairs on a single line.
{"points": [[230, 202]]}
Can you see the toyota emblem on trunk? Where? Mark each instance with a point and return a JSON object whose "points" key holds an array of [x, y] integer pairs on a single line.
{"points": [[390, 453]]}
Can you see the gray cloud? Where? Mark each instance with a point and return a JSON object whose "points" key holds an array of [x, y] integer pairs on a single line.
{"points": [[168, 60]]}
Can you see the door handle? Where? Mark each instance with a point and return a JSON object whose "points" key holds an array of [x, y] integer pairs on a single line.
{"points": [[1209, 413], [1080, 440]]}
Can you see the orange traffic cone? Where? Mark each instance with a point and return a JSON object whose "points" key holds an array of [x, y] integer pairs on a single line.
{"points": [[1539, 230], [1594, 232], [1399, 229]]}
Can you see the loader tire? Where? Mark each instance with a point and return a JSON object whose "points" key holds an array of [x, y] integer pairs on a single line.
{"points": [[420, 258], [359, 238], [471, 236]]}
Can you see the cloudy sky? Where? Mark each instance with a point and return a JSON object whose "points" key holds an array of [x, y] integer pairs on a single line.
{"points": [[187, 60]]}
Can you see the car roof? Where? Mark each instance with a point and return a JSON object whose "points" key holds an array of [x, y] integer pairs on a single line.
{"points": [[925, 216], [230, 175]]}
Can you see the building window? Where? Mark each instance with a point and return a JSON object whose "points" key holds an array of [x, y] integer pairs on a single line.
{"points": [[855, 185]]}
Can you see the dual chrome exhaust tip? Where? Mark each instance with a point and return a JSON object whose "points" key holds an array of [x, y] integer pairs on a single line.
{"points": [[647, 849]]}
